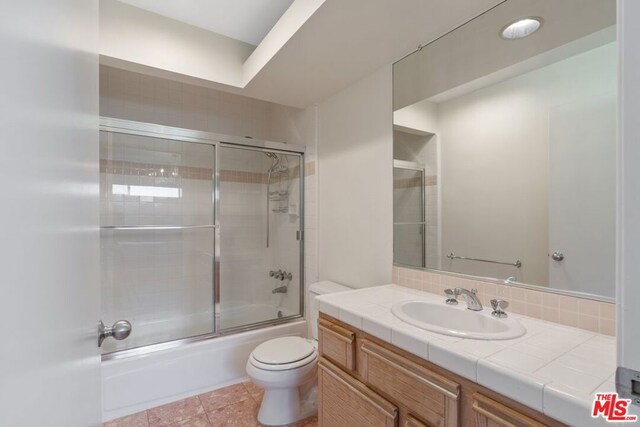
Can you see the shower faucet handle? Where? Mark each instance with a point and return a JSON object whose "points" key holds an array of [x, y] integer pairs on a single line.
{"points": [[276, 274], [280, 275]]}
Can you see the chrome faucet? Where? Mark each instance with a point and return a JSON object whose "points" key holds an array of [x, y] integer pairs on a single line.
{"points": [[470, 297], [280, 290]]}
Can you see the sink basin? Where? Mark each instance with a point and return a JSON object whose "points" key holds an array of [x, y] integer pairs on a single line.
{"points": [[457, 321]]}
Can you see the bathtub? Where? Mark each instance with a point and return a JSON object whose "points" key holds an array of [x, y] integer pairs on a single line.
{"points": [[176, 327], [136, 383]]}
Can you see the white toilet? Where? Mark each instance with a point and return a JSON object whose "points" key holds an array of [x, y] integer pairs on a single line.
{"points": [[286, 369]]}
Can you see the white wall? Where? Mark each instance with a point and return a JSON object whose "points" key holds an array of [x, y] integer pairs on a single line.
{"points": [[495, 145], [628, 289], [355, 151], [147, 39]]}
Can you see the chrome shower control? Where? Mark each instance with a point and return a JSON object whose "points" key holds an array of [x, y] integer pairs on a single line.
{"points": [[498, 306], [281, 275], [120, 330]]}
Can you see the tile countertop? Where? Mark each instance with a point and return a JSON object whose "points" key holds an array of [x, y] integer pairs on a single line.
{"points": [[552, 368]]}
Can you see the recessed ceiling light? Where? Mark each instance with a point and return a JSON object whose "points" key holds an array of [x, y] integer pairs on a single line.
{"points": [[521, 28]]}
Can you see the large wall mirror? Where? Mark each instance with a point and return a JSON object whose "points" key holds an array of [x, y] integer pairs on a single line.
{"points": [[505, 147]]}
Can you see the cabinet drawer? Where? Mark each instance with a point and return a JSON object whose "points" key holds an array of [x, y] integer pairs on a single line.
{"points": [[337, 344], [411, 421], [490, 413], [429, 396], [344, 401]]}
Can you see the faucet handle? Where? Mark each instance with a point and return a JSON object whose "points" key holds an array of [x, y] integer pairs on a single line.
{"points": [[498, 306], [451, 296]]}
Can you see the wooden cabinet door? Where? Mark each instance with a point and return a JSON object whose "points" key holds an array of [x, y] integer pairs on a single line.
{"points": [[490, 413], [337, 344], [344, 401], [411, 421], [426, 395]]}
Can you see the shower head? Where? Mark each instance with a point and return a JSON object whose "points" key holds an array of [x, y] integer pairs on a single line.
{"points": [[276, 162]]}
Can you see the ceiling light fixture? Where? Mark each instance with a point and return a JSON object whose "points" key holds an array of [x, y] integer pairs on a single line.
{"points": [[521, 28]]}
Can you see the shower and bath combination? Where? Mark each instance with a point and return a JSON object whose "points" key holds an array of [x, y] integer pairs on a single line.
{"points": [[183, 252]]}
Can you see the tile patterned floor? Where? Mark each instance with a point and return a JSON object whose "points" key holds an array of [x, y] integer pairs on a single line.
{"points": [[233, 406]]}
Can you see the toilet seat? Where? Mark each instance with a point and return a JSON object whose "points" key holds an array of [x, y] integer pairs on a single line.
{"points": [[280, 354]]}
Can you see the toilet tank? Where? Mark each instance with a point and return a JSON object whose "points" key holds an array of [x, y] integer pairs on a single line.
{"points": [[316, 289]]}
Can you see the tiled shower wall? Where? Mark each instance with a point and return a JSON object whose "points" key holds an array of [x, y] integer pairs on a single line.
{"points": [[134, 96], [137, 97], [246, 260], [581, 313]]}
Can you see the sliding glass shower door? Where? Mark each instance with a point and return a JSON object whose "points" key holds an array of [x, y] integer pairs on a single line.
{"points": [[157, 237], [199, 237], [409, 219], [260, 241]]}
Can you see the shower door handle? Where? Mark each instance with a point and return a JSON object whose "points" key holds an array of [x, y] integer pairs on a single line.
{"points": [[120, 330]]}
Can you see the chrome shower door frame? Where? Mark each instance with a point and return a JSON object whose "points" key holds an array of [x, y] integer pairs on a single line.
{"points": [[216, 140], [414, 166]]}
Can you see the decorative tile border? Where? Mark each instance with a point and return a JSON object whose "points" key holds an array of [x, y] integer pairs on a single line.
{"points": [[415, 182], [310, 168], [242, 176], [188, 172], [578, 312]]}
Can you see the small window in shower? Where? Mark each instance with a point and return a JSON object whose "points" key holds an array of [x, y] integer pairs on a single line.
{"points": [[157, 237]]}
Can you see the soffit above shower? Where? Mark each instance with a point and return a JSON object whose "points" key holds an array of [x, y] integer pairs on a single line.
{"points": [[245, 20], [315, 49]]}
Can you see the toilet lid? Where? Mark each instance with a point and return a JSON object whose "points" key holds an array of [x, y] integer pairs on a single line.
{"points": [[279, 351]]}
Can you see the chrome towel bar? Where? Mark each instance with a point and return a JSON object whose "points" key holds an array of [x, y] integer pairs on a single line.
{"points": [[516, 264]]}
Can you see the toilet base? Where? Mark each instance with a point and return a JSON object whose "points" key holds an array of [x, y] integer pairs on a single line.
{"points": [[287, 405]]}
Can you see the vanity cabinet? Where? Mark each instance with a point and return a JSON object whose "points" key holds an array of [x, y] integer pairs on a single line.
{"points": [[490, 413], [347, 402], [337, 344], [422, 393], [364, 381]]}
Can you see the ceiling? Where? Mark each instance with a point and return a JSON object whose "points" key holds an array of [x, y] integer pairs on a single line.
{"points": [[345, 41], [245, 20], [452, 61], [338, 44]]}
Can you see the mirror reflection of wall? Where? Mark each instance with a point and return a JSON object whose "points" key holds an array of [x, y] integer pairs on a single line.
{"points": [[517, 140]]}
